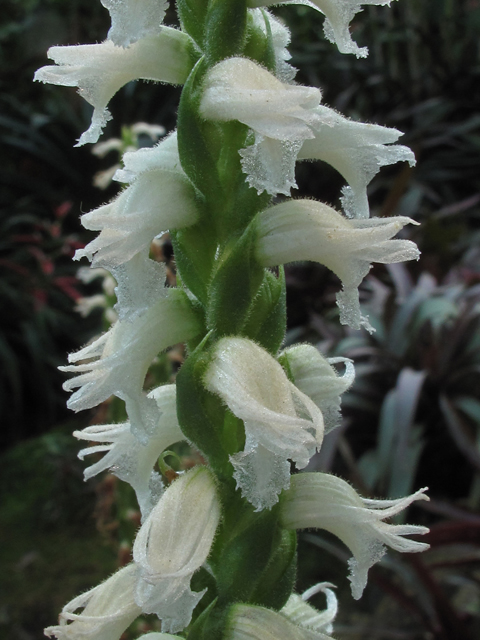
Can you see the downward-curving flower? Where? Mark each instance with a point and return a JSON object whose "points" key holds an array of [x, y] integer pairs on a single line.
{"points": [[134, 19], [338, 14], [281, 117], [322, 501], [108, 610], [309, 230], [357, 151], [129, 459], [315, 376], [246, 622], [160, 198], [173, 542], [100, 70], [119, 359], [281, 422]]}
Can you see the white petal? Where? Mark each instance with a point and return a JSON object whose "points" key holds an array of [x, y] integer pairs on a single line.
{"points": [[134, 19], [314, 375], [281, 39], [338, 14], [281, 422], [108, 610], [357, 151], [280, 115], [163, 156], [173, 543], [128, 458], [309, 230], [323, 501], [100, 70], [246, 622], [157, 201], [299, 612], [121, 357]]}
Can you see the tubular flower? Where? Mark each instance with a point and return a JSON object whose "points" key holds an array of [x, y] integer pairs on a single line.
{"points": [[134, 19], [100, 70], [322, 501], [119, 359], [281, 116], [338, 14], [309, 230], [129, 459], [280, 421], [357, 151], [173, 542], [298, 611], [246, 622], [314, 375], [160, 198], [108, 610]]}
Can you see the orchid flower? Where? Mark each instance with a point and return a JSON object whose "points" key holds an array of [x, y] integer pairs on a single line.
{"points": [[357, 151], [246, 622], [309, 230], [323, 501], [119, 359], [108, 610], [100, 70], [129, 459], [315, 376], [173, 542], [298, 611], [280, 421], [338, 14], [281, 116]]}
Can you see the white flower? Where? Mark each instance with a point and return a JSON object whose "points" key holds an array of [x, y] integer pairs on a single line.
{"points": [[108, 610], [160, 198], [322, 501], [357, 151], [280, 40], [134, 19], [309, 230], [338, 14], [280, 421], [298, 611], [281, 116], [100, 70], [246, 622], [129, 459], [172, 544], [314, 375], [163, 156], [119, 359]]}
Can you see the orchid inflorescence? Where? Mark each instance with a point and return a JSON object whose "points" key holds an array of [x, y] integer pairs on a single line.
{"points": [[215, 556]]}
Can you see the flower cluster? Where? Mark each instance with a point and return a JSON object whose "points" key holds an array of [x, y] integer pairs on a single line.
{"points": [[215, 554]]}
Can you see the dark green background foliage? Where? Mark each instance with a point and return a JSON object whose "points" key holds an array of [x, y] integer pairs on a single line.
{"points": [[413, 416]]}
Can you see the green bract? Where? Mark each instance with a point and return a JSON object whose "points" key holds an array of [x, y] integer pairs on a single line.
{"points": [[215, 557]]}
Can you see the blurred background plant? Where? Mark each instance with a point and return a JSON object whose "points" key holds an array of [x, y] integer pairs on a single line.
{"points": [[411, 419]]}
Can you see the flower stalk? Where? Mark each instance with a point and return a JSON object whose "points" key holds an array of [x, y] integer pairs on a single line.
{"points": [[215, 556]]}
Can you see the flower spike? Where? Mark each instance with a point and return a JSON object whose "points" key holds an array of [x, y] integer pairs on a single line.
{"points": [[280, 421], [323, 501], [172, 544]]}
